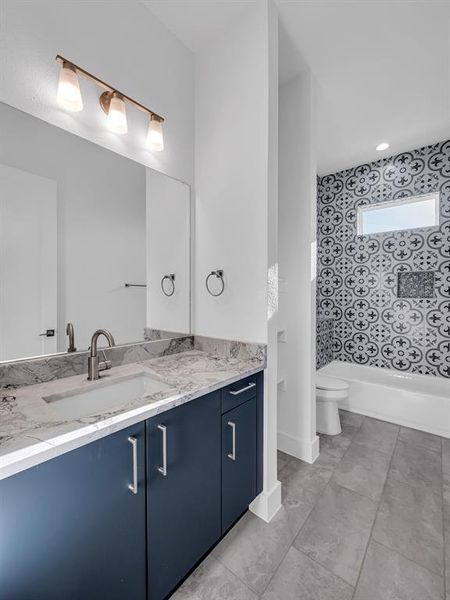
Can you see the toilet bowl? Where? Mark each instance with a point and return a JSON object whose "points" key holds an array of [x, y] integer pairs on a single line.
{"points": [[329, 391]]}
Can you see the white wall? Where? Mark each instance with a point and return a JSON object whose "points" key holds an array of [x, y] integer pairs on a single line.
{"points": [[101, 225], [236, 200], [297, 233], [120, 42], [231, 154], [168, 251]]}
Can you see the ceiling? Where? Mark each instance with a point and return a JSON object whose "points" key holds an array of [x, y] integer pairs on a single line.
{"points": [[197, 22], [382, 67]]}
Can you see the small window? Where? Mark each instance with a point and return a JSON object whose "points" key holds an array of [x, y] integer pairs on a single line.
{"points": [[407, 213]]}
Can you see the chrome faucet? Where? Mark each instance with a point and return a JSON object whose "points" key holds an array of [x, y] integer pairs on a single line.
{"points": [[71, 333], [94, 365]]}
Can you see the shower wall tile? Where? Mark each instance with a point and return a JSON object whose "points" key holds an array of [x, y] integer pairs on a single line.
{"points": [[325, 342], [357, 283]]}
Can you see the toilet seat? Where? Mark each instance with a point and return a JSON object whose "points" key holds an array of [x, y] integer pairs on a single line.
{"points": [[323, 382]]}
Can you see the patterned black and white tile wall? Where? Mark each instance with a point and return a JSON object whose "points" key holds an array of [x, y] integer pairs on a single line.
{"points": [[357, 284], [324, 341]]}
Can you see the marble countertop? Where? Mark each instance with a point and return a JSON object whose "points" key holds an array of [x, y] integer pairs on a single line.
{"points": [[31, 430]]}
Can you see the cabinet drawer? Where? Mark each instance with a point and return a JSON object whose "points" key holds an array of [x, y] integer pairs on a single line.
{"points": [[237, 393]]}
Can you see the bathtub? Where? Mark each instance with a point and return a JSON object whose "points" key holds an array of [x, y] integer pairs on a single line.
{"points": [[418, 401]]}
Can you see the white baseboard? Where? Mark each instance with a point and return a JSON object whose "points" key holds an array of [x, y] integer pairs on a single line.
{"points": [[303, 449], [267, 504]]}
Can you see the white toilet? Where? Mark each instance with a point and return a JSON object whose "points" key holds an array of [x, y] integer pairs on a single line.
{"points": [[329, 391]]}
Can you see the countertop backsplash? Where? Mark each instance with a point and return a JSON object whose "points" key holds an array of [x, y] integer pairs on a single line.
{"points": [[24, 372]]}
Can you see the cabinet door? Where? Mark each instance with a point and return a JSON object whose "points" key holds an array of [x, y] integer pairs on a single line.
{"points": [[239, 449], [183, 493], [71, 528]]}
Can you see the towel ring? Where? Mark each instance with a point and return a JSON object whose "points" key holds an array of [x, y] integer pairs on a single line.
{"points": [[170, 278], [219, 274]]}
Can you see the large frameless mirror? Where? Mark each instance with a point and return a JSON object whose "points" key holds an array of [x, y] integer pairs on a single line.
{"points": [[87, 238]]}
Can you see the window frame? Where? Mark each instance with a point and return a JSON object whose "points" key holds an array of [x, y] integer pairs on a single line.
{"points": [[399, 201]]}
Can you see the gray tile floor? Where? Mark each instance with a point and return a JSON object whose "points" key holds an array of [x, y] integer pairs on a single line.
{"points": [[370, 520]]}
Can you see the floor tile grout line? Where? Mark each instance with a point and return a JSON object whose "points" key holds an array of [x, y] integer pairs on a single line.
{"points": [[327, 569], [420, 446], [395, 550], [378, 502], [227, 568], [376, 515], [426, 487], [428, 484], [277, 569], [259, 594], [291, 545], [360, 494], [408, 558], [327, 484], [333, 469], [349, 446], [323, 492]]}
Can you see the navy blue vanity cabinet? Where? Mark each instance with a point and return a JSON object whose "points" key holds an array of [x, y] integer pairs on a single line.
{"points": [[183, 490], [239, 449], [71, 528]]}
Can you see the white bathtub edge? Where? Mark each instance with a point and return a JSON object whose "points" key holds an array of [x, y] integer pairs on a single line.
{"points": [[377, 399], [394, 419]]}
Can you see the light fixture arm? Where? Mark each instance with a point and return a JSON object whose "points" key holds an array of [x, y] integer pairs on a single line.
{"points": [[108, 88]]}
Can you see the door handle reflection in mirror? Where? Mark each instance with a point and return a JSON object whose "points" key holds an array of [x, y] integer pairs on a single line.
{"points": [[163, 469], [232, 454], [48, 333]]}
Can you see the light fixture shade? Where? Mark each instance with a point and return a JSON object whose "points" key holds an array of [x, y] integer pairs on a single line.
{"points": [[155, 139], [382, 146], [69, 94], [117, 115]]}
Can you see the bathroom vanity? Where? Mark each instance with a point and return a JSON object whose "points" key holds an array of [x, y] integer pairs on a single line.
{"points": [[137, 494], [112, 488]]}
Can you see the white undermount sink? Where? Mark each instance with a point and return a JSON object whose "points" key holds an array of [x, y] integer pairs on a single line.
{"points": [[104, 396]]}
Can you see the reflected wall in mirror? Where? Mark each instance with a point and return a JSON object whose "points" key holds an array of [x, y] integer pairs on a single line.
{"points": [[77, 223]]}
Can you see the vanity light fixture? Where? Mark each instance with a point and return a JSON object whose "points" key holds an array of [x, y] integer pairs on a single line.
{"points": [[382, 146], [69, 94], [114, 106], [155, 140], [111, 100]]}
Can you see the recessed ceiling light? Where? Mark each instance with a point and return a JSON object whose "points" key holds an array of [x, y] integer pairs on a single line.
{"points": [[382, 146]]}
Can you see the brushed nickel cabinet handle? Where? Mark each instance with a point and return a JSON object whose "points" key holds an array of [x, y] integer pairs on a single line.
{"points": [[163, 469], [244, 389], [133, 487], [232, 455]]}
